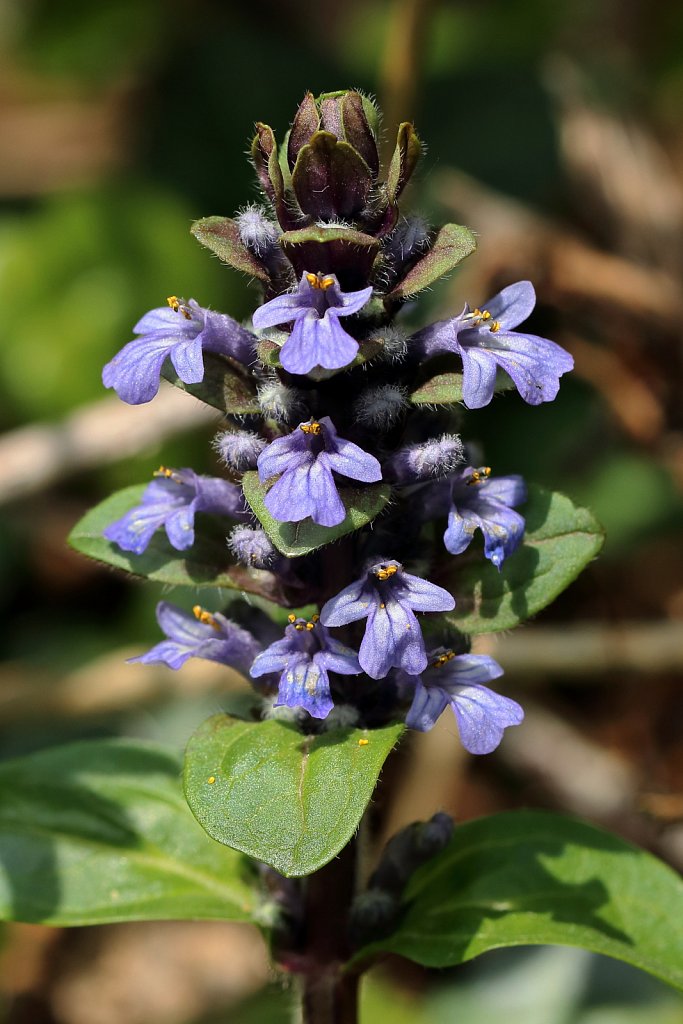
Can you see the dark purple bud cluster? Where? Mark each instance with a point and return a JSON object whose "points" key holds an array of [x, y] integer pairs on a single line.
{"points": [[341, 480]]}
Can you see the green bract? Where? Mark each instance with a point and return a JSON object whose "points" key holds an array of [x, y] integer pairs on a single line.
{"points": [[290, 800]]}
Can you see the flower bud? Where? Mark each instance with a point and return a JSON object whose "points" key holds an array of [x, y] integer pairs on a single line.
{"points": [[251, 546], [238, 449], [434, 835], [409, 238], [373, 915], [256, 232], [433, 458], [381, 406], [280, 402], [394, 343]]}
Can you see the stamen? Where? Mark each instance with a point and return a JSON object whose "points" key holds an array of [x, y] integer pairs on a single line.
{"points": [[443, 659], [206, 617], [315, 618], [478, 476], [300, 626], [385, 571], [320, 281], [178, 307], [291, 617], [168, 474], [482, 316], [310, 625], [495, 326], [311, 428]]}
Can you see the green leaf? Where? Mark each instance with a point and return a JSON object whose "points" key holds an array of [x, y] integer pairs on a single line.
{"points": [[99, 831], [206, 564], [452, 244], [529, 878], [446, 389], [294, 539], [560, 540], [290, 800], [225, 387], [221, 235]]}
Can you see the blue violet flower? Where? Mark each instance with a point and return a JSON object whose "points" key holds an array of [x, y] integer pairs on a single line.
{"points": [[203, 634], [457, 679], [480, 502], [306, 460], [485, 339], [387, 596], [182, 332], [317, 338], [303, 659], [172, 501]]}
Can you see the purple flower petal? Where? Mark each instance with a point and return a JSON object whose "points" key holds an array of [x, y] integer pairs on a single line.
{"points": [[305, 684], [135, 372], [513, 305], [428, 705], [483, 716], [423, 596], [218, 640], [188, 360], [349, 605], [393, 639], [479, 369], [317, 342], [283, 454]]}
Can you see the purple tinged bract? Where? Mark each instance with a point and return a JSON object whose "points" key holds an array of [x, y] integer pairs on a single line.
{"points": [[485, 340], [306, 460], [303, 659], [171, 501], [182, 331], [457, 679], [388, 597], [203, 634], [317, 337], [478, 501]]}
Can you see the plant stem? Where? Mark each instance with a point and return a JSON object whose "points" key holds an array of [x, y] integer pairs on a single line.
{"points": [[328, 996]]}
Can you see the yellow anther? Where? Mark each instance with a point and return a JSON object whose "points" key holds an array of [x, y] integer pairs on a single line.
{"points": [[311, 428], [206, 617], [315, 618], [310, 625], [211, 779], [477, 476], [495, 327], [382, 604], [386, 571], [299, 626], [177, 306], [363, 743], [443, 659], [320, 281], [291, 617], [485, 315]]}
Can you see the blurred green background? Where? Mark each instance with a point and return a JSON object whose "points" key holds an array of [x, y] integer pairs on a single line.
{"points": [[556, 132]]}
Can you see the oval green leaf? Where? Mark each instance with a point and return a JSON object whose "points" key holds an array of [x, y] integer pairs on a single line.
{"points": [[560, 540], [529, 878], [206, 564], [98, 832], [452, 244], [221, 235], [290, 800], [225, 387], [294, 539]]}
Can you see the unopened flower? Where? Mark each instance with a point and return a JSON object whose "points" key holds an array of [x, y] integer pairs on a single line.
{"points": [[479, 501], [203, 634], [303, 659], [239, 449], [434, 458], [317, 338], [306, 460], [388, 597], [381, 406], [485, 340], [181, 331], [171, 501], [280, 402], [256, 231], [457, 679], [251, 546]]}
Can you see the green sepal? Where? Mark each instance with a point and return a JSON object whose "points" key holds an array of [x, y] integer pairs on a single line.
{"points": [[221, 235], [264, 155], [345, 252], [559, 541], [227, 386], [305, 124], [452, 244], [362, 505], [330, 179], [527, 878], [206, 564], [289, 800], [446, 388], [404, 160], [97, 832]]}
